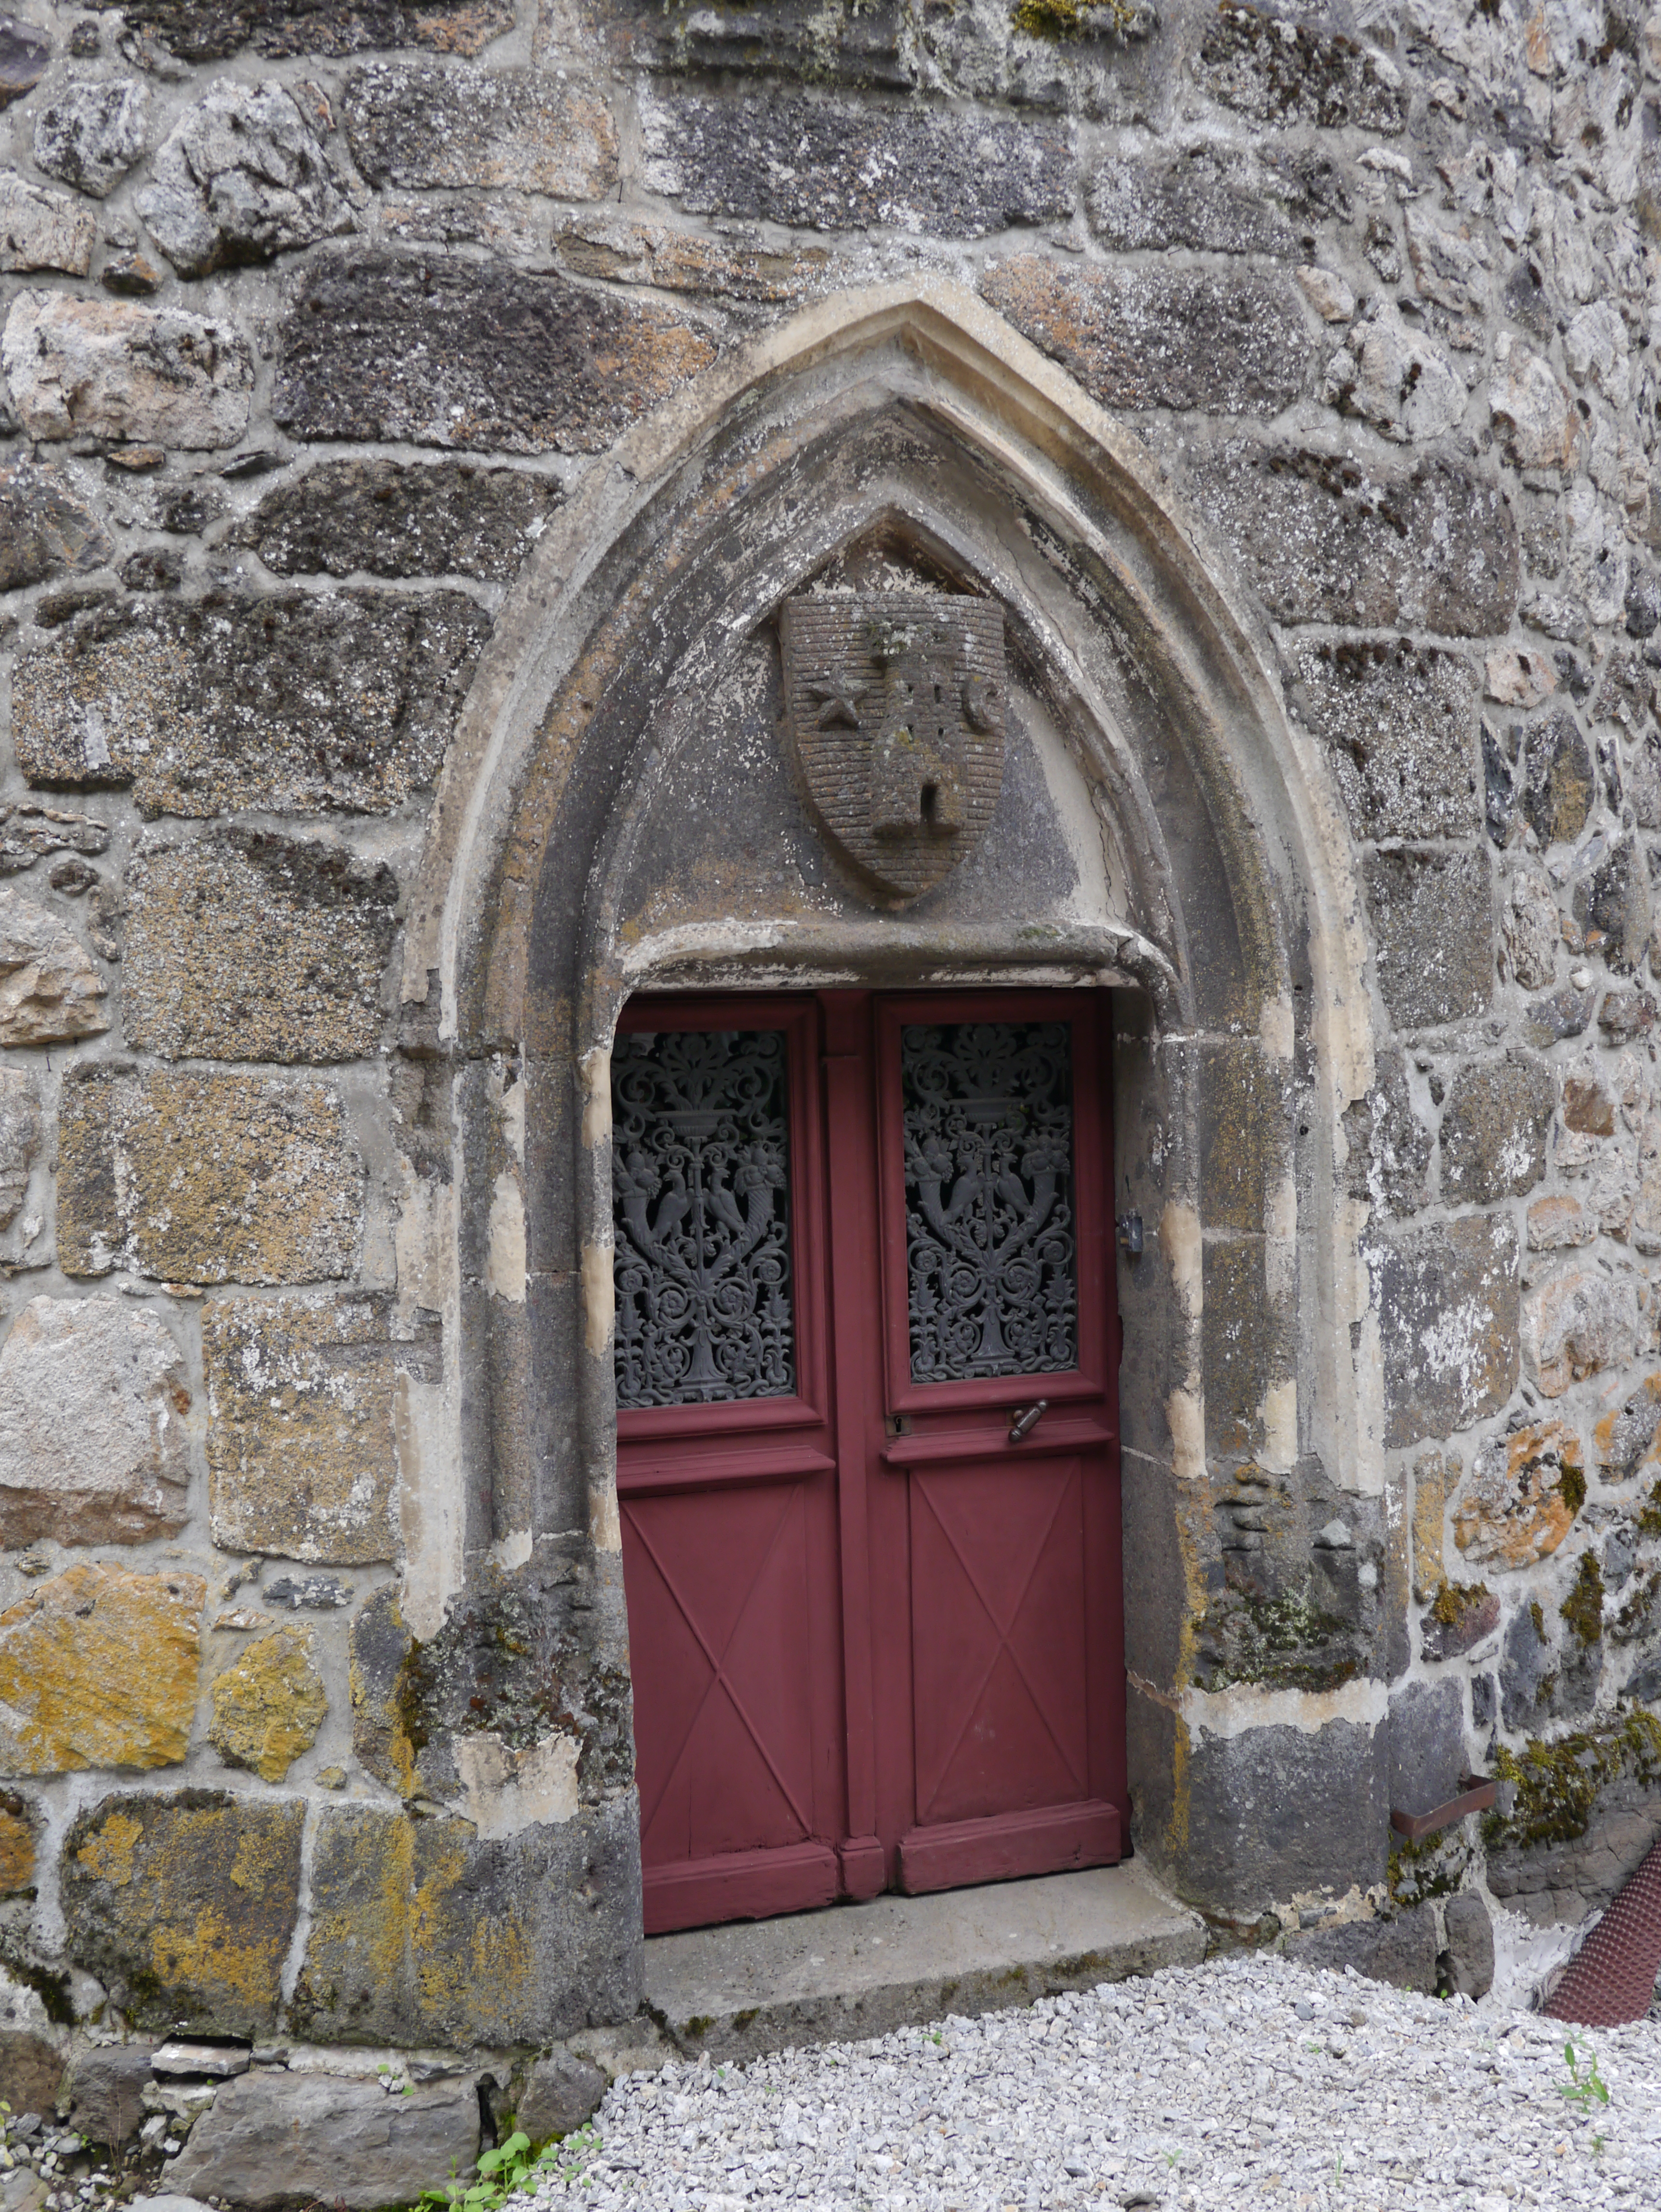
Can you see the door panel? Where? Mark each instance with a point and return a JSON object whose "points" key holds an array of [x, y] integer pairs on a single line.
{"points": [[874, 1642]]}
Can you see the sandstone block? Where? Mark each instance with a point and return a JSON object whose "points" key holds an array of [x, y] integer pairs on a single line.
{"points": [[1399, 724], [424, 1931], [302, 1397], [825, 166], [1538, 418], [561, 2093], [1137, 337], [50, 988], [447, 518], [207, 1178], [1556, 1224], [1577, 1324], [240, 178], [98, 1668], [43, 230], [270, 2140], [212, 30], [1432, 928], [507, 129], [1141, 206], [24, 53], [109, 369], [1531, 927], [1320, 538], [1471, 1945], [92, 133], [105, 2087], [45, 529], [31, 2075], [243, 945], [739, 268], [93, 1447], [16, 1843], [1524, 1492], [1558, 783], [268, 1708], [443, 352], [1435, 1477], [1279, 73], [19, 1134], [185, 1903], [1447, 1301], [358, 694], [1494, 1129]]}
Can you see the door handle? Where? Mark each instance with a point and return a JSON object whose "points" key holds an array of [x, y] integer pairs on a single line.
{"points": [[1026, 1419]]}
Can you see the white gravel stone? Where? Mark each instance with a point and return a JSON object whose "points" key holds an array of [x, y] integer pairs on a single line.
{"points": [[1201, 2088]]}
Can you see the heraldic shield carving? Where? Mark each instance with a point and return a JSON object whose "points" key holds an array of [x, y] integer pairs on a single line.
{"points": [[894, 705]]}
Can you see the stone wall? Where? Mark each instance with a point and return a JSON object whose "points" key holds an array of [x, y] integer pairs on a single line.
{"points": [[315, 319]]}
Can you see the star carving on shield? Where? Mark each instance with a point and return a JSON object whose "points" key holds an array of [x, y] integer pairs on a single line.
{"points": [[894, 702]]}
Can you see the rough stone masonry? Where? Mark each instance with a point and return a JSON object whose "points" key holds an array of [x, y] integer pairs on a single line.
{"points": [[344, 347]]}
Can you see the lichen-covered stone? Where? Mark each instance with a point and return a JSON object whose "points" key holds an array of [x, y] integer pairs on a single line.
{"points": [[1396, 379], [183, 1905], [1530, 927], [19, 1136], [739, 267], [1435, 1477], [1191, 200], [357, 695], [45, 528], [1613, 903], [819, 165], [1576, 1324], [1460, 1616], [1494, 1129], [1433, 925], [1540, 421], [1524, 1492], [50, 990], [1558, 784], [213, 30], [244, 946], [269, 1705], [1624, 1438], [17, 1846], [94, 1396], [240, 178], [1230, 343], [98, 1670], [1587, 1808], [446, 352], [846, 42], [422, 1931], [108, 369], [1274, 71], [1399, 724], [523, 130], [1389, 1147], [91, 132], [1446, 1296], [1324, 539], [302, 1395], [447, 518], [271, 2140], [40, 230], [206, 1178]]}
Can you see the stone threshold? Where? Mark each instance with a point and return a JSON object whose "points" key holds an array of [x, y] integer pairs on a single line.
{"points": [[853, 1971]]}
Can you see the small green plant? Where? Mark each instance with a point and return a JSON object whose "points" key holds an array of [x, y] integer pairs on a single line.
{"points": [[1585, 2086], [510, 2167]]}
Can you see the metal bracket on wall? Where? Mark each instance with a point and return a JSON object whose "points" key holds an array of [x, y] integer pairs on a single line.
{"points": [[1130, 1232], [1476, 1793]]}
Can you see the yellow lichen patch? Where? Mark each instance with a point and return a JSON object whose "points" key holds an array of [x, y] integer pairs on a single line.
{"points": [[108, 1852], [1524, 1494], [268, 1708], [17, 1854], [98, 1668]]}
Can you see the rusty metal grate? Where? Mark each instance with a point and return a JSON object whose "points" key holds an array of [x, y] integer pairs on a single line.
{"points": [[1611, 1978]]}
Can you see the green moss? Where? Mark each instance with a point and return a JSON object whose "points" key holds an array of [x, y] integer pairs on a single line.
{"points": [[1572, 1487], [1435, 1866], [1649, 1516], [1284, 1642], [1633, 1617], [1454, 1600], [1537, 1618], [1559, 1784], [1583, 1608], [1071, 19]]}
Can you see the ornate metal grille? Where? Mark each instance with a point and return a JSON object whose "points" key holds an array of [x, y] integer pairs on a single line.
{"points": [[989, 1214], [700, 1202]]}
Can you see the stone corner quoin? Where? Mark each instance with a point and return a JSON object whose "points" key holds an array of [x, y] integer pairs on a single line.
{"points": [[333, 343]]}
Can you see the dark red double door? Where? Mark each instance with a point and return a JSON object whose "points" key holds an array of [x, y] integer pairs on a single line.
{"points": [[875, 1644]]}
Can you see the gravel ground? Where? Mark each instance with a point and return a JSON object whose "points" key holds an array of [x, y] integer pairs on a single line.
{"points": [[1245, 2081]]}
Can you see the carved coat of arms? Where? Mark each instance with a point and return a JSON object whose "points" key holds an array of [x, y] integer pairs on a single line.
{"points": [[894, 706]]}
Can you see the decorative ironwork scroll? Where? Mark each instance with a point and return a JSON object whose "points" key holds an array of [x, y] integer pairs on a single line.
{"points": [[700, 1161], [895, 703], [990, 1250]]}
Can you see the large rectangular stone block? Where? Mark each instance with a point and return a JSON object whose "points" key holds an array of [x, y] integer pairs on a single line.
{"points": [[1323, 538], [437, 518], [207, 1178], [443, 352], [1447, 1300], [1398, 723], [1274, 1811], [213, 30], [1233, 342], [523, 130], [302, 1453], [98, 1668], [297, 703], [242, 945], [183, 1906], [1433, 930]]}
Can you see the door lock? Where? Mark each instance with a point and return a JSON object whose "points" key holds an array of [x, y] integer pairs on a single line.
{"points": [[1026, 1419]]}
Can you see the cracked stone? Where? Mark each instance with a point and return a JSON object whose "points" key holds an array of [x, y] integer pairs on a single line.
{"points": [[240, 178], [109, 369]]}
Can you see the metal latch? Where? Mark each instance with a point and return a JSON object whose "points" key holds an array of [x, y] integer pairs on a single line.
{"points": [[1026, 1419]]}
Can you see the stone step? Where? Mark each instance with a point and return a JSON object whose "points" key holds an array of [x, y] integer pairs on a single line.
{"points": [[854, 1971]]}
